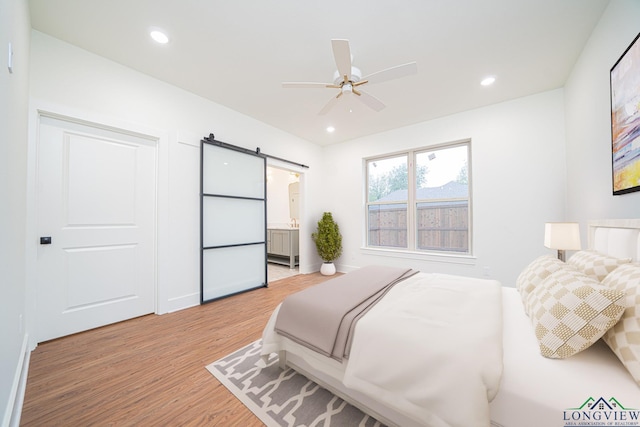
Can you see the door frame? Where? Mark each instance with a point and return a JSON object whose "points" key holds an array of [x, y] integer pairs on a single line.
{"points": [[39, 109], [305, 255]]}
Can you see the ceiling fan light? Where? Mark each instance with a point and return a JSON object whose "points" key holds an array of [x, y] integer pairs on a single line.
{"points": [[347, 88]]}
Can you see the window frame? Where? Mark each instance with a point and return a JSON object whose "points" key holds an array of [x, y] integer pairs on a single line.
{"points": [[412, 251]]}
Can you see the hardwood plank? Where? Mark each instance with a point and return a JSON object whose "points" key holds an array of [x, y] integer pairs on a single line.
{"points": [[151, 370]]}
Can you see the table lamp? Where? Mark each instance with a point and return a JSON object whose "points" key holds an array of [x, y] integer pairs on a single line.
{"points": [[563, 236]]}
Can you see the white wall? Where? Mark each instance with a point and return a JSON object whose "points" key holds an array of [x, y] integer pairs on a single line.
{"points": [[518, 170], [14, 91], [523, 172], [588, 120], [76, 82]]}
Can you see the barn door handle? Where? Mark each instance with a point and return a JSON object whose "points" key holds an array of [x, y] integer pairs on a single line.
{"points": [[45, 240]]}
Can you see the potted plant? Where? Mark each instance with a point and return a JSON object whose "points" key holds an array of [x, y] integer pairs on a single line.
{"points": [[328, 242]]}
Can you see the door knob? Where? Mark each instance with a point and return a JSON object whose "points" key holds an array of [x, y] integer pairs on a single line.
{"points": [[45, 240]]}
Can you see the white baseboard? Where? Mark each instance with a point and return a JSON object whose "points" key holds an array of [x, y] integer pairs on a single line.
{"points": [[344, 268], [13, 411], [185, 301], [341, 268]]}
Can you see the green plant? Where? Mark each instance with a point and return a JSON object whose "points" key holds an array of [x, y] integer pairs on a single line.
{"points": [[327, 238]]}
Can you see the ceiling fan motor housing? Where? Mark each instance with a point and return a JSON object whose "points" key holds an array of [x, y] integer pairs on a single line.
{"points": [[356, 75]]}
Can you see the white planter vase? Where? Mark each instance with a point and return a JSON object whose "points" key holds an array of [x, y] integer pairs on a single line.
{"points": [[328, 269]]}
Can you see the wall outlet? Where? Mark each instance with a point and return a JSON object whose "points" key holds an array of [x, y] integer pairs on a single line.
{"points": [[486, 272]]}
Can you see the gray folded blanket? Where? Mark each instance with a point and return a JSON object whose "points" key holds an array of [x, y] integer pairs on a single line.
{"points": [[323, 317]]}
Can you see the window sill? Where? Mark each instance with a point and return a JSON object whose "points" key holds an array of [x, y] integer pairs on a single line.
{"points": [[422, 256]]}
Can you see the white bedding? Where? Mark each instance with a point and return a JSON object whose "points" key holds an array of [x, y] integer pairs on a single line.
{"points": [[534, 391], [432, 350], [441, 359]]}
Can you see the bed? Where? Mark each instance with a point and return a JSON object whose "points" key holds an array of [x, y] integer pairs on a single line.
{"points": [[521, 387]]}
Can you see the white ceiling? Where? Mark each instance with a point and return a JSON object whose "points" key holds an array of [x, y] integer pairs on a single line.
{"points": [[238, 52]]}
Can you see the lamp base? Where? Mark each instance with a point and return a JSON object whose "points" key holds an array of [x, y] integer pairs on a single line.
{"points": [[561, 255]]}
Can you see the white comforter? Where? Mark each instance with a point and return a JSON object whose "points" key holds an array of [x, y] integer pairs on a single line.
{"points": [[430, 349]]}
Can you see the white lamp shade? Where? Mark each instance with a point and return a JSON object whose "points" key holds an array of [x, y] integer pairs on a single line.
{"points": [[562, 236]]}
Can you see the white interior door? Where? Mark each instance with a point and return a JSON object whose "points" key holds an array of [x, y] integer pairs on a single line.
{"points": [[97, 202]]}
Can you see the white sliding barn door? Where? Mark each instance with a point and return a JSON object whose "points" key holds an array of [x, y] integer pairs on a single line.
{"points": [[233, 221], [96, 201]]}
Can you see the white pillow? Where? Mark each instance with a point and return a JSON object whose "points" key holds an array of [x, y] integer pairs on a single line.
{"points": [[595, 264], [570, 311], [624, 336], [533, 274]]}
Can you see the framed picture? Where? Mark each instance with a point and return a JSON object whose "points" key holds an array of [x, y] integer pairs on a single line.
{"points": [[625, 120]]}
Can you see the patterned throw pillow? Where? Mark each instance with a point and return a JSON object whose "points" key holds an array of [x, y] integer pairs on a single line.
{"points": [[594, 264], [570, 311], [533, 274], [624, 337]]}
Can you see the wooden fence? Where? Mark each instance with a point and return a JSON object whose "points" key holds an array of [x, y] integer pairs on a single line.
{"points": [[443, 227]]}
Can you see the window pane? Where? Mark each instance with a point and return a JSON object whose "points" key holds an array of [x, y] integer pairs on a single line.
{"points": [[388, 183], [440, 168], [232, 172], [442, 195], [229, 221], [230, 270], [388, 225], [387, 179], [443, 226]]}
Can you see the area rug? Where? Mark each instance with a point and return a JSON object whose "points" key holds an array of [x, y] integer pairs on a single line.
{"points": [[283, 397]]}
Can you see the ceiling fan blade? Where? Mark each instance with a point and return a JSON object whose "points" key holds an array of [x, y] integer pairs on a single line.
{"points": [[329, 105], [310, 85], [392, 73], [342, 55], [370, 101]]}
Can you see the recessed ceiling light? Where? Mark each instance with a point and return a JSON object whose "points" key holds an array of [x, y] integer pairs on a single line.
{"points": [[330, 129], [159, 36], [488, 81]]}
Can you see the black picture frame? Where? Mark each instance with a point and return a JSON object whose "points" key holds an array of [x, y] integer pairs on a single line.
{"points": [[625, 120]]}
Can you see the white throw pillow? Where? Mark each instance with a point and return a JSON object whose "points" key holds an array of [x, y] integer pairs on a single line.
{"points": [[570, 311], [533, 274], [624, 336], [595, 264]]}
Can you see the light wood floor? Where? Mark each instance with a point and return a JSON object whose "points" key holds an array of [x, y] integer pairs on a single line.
{"points": [[150, 371]]}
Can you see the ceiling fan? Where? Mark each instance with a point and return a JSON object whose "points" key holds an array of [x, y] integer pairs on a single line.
{"points": [[349, 78]]}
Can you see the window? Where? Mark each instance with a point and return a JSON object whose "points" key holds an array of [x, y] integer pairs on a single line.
{"points": [[419, 200]]}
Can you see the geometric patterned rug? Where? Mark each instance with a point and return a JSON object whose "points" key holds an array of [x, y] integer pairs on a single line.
{"points": [[283, 397]]}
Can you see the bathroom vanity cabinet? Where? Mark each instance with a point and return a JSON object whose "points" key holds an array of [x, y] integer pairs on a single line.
{"points": [[283, 246]]}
